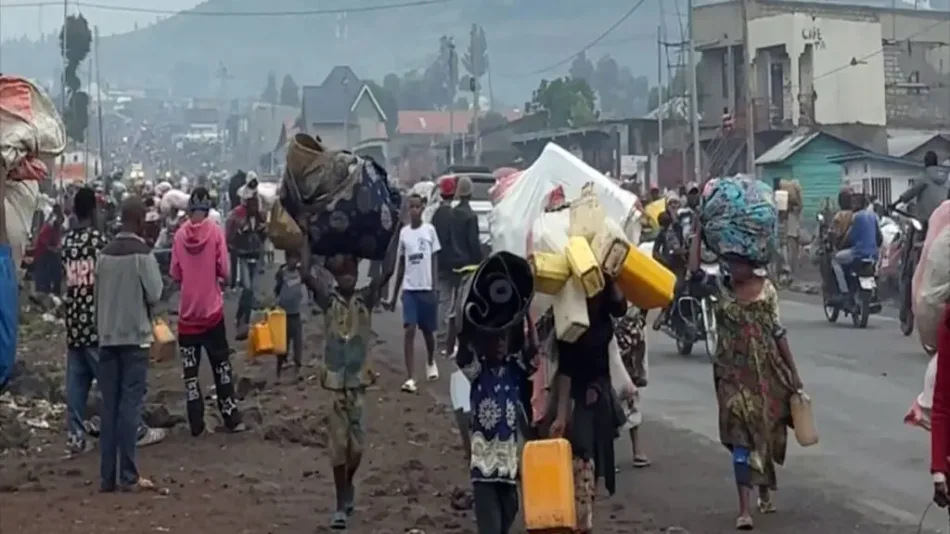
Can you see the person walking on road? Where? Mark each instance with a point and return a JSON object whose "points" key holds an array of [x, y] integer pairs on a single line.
{"points": [[448, 259], [81, 247], [124, 329], [755, 376], [497, 366], [348, 314], [417, 276], [245, 237], [289, 291], [200, 265], [466, 243], [583, 379]]}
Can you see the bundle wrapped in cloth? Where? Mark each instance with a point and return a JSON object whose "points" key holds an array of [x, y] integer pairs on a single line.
{"points": [[32, 136], [739, 217], [345, 202]]}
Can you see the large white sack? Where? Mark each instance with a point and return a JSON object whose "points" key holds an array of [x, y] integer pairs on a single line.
{"points": [[21, 201], [266, 192], [523, 202], [163, 187], [173, 201]]}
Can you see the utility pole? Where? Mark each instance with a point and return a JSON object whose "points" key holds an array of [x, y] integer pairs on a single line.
{"points": [[102, 136], [693, 97], [62, 160], [477, 148], [85, 142], [659, 84], [750, 72], [454, 82], [660, 100]]}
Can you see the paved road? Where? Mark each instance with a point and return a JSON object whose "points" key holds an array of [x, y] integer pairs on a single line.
{"points": [[862, 382], [868, 475]]}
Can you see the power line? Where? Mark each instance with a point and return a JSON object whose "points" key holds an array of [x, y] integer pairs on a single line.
{"points": [[856, 61], [589, 45], [194, 12]]}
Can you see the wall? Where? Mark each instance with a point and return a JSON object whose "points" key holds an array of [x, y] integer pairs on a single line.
{"points": [[366, 121], [820, 51], [810, 166], [854, 173], [332, 135]]}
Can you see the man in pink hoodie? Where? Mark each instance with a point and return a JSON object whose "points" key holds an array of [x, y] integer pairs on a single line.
{"points": [[200, 265]]}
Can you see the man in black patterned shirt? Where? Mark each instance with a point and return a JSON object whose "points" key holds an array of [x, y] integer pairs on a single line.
{"points": [[81, 248]]}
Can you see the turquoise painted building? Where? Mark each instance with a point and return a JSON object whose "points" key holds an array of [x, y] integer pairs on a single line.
{"points": [[804, 156]]}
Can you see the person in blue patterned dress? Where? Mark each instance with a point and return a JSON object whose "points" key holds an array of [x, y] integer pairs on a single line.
{"points": [[498, 367]]}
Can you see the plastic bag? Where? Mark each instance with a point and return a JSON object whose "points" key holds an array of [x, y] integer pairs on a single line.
{"points": [[919, 412], [739, 217], [32, 128], [283, 230], [619, 377], [524, 200], [460, 390], [931, 282]]}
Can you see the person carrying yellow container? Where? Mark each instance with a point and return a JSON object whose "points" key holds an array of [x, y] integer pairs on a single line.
{"points": [[289, 290], [583, 380], [497, 366]]}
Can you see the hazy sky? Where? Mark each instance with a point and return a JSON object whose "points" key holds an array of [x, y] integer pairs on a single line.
{"points": [[29, 20]]}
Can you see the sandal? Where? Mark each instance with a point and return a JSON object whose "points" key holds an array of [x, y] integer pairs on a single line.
{"points": [[766, 506], [339, 521], [744, 522], [639, 462]]}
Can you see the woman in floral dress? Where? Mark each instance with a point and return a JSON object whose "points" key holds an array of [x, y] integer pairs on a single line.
{"points": [[755, 376]]}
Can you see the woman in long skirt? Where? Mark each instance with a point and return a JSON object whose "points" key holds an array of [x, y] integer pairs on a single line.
{"points": [[755, 377]]}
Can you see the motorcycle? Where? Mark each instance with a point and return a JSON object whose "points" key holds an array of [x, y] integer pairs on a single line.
{"points": [[859, 299], [697, 318], [912, 246]]}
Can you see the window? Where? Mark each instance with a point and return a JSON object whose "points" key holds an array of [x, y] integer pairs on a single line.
{"points": [[877, 187]]}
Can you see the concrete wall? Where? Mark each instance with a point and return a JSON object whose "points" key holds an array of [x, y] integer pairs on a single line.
{"points": [[817, 70]]}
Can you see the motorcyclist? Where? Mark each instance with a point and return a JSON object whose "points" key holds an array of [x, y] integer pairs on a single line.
{"points": [[929, 192], [671, 249], [926, 196], [838, 230], [862, 240]]}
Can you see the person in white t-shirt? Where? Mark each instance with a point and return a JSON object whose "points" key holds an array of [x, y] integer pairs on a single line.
{"points": [[416, 275]]}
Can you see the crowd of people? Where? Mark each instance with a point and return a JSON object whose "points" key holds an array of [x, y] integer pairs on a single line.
{"points": [[109, 328]]}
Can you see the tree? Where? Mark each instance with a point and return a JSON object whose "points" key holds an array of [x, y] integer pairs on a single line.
{"points": [[492, 119], [678, 86], [569, 102], [75, 39], [475, 60], [607, 84], [582, 68], [289, 92], [440, 79], [270, 94]]}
